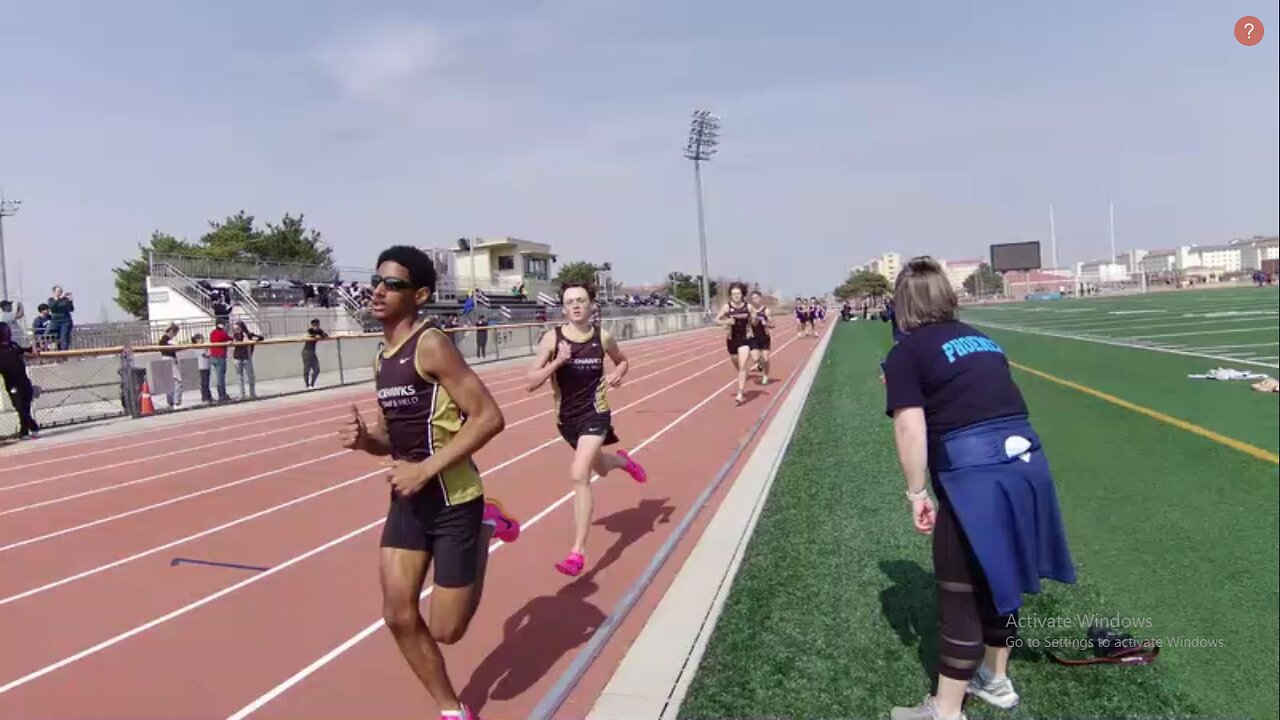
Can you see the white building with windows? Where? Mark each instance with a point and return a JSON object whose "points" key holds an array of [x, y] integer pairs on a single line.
{"points": [[499, 265], [888, 264]]}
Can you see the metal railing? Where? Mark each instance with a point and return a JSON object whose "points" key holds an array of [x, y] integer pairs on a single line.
{"points": [[79, 386], [249, 269]]}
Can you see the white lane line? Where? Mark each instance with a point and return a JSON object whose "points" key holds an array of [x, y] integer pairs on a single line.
{"points": [[313, 438], [36, 674], [256, 417], [323, 420], [281, 506], [378, 624], [170, 501]]}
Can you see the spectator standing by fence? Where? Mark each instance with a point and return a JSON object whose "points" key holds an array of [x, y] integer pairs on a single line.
{"points": [[41, 327], [169, 336], [61, 306], [218, 357], [482, 335], [244, 357], [12, 316], [310, 360], [13, 371], [203, 364]]}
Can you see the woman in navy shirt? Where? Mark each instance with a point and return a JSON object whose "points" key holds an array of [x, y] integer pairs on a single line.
{"points": [[959, 420]]}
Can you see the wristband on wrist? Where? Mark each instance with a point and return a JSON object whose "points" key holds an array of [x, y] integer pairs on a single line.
{"points": [[922, 495]]}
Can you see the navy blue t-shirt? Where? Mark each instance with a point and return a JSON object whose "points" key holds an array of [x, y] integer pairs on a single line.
{"points": [[958, 375]]}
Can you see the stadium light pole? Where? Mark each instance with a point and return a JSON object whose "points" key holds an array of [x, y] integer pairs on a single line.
{"points": [[704, 136], [7, 208]]}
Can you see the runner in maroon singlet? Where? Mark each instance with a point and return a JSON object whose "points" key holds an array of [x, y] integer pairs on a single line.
{"points": [[434, 414], [761, 341], [736, 317], [572, 357]]}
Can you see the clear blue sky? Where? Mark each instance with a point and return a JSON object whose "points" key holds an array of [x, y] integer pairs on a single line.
{"points": [[849, 128]]}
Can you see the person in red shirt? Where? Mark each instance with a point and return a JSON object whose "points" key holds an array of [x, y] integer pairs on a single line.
{"points": [[218, 357]]}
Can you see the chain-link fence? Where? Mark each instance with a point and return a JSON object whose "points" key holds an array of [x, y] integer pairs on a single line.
{"points": [[78, 386]]}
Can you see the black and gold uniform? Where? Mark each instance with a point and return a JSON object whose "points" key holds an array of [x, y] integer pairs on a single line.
{"points": [[760, 339], [740, 330], [582, 402], [444, 516]]}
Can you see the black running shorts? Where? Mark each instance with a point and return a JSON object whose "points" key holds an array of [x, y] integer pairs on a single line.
{"points": [[600, 425], [732, 345], [423, 522], [762, 343]]}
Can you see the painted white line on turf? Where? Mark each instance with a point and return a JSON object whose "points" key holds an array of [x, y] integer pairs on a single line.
{"points": [[281, 506], [36, 674], [1113, 343], [183, 436], [351, 642], [313, 438], [1199, 333]]}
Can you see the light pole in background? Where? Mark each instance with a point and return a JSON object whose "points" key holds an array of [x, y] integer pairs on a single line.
{"points": [[7, 208], [704, 136]]}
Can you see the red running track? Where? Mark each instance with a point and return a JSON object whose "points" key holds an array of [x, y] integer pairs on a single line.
{"points": [[96, 622]]}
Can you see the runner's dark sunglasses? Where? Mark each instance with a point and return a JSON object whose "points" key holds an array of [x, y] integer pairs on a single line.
{"points": [[393, 284]]}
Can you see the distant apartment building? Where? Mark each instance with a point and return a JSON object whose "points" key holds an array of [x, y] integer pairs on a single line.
{"points": [[1236, 256], [888, 264], [1103, 270], [959, 270], [1131, 260], [1159, 262]]}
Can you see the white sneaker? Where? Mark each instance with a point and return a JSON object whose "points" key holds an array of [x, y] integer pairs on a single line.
{"points": [[998, 692], [927, 710]]}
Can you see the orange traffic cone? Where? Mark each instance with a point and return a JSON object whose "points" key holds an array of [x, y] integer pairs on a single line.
{"points": [[146, 406]]}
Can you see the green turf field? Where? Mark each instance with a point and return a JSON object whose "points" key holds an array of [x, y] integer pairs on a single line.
{"points": [[832, 613]]}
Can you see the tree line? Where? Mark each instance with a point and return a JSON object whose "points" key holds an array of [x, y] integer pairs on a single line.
{"points": [[867, 284], [236, 238], [239, 237]]}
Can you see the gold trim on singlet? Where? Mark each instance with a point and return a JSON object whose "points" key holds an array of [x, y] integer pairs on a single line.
{"points": [[460, 482]]}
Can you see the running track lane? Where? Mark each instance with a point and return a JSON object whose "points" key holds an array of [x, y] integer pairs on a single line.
{"points": [[41, 487], [144, 435], [85, 532], [240, 645]]}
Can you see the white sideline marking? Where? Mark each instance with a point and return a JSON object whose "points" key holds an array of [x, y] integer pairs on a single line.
{"points": [[1114, 343]]}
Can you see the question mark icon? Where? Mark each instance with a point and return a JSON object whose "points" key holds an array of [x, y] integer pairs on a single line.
{"points": [[1249, 30]]}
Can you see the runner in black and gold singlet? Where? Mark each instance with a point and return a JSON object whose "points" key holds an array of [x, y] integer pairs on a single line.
{"points": [[434, 414], [735, 316], [761, 341], [572, 357]]}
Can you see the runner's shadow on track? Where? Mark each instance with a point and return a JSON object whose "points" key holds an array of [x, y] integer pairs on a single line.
{"points": [[630, 525], [910, 606], [534, 639], [548, 627]]}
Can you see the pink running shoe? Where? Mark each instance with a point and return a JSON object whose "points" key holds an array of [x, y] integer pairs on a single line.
{"points": [[505, 527], [633, 468], [466, 715], [572, 565]]}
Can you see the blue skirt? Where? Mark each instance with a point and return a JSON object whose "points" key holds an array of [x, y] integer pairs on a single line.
{"points": [[997, 480]]}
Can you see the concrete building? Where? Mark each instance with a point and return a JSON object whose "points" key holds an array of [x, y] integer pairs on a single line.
{"points": [[959, 270], [1159, 261], [499, 265], [887, 264], [1103, 271]]}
